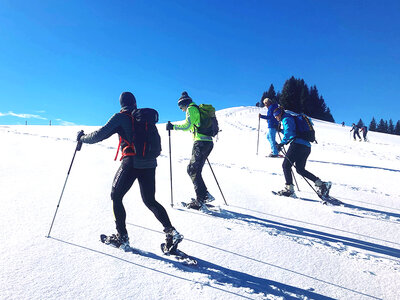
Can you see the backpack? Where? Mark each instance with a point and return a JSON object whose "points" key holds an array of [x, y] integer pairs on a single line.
{"points": [[208, 120], [304, 128], [146, 139]]}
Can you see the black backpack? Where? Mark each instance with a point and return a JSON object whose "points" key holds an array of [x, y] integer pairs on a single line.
{"points": [[208, 120], [146, 139]]}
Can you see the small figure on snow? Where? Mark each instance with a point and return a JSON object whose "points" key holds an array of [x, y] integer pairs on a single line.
{"points": [[298, 152], [364, 131], [202, 146], [273, 125], [132, 167], [355, 130]]}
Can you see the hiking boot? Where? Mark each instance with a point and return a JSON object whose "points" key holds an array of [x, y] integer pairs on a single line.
{"points": [[323, 187], [288, 191], [172, 239], [208, 198], [195, 204], [118, 241]]}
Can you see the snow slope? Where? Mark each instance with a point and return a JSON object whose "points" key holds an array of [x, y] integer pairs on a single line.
{"points": [[260, 246]]}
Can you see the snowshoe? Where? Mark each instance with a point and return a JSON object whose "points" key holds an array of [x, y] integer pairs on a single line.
{"points": [[172, 239], [117, 241]]}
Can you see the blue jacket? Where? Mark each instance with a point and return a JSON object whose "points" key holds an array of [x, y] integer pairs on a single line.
{"points": [[289, 131], [272, 122]]}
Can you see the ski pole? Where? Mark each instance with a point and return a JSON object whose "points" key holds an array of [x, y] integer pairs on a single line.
{"points": [[170, 166], [258, 132], [284, 152], [78, 148], [216, 181]]}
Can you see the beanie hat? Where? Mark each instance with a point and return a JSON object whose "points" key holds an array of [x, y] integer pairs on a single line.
{"points": [[278, 111], [184, 100], [127, 100]]}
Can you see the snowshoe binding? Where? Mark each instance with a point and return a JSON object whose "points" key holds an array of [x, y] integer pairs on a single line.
{"points": [[117, 241]]}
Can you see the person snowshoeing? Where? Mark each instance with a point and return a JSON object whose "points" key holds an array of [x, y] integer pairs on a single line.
{"points": [[298, 152], [364, 131], [132, 167], [355, 130], [202, 146], [273, 125]]}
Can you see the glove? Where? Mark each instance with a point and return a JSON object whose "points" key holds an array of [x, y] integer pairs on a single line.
{"points": [[79, 135], [170, 126], [279, 147]]}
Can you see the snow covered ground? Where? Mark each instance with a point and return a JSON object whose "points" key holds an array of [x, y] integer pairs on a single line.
{"points": [[261, 246]]}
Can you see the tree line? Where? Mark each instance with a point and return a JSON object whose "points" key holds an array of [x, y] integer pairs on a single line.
{"points": [[298, 97], [383, 126]]}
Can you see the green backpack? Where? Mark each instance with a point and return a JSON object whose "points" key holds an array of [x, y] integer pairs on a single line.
{"points": [[208, 120]]}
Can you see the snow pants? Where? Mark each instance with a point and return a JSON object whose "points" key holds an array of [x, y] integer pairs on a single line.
{"points": [[297, 154], [201, 150], [123, 181], [271, 135], [356, 133]]}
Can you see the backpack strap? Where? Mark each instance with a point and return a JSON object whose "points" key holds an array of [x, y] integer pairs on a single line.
{"points": [[129, 145]]}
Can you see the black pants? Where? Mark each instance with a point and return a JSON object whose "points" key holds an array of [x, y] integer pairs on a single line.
{"points": [[355, 133], [201, 150], [123, 180], [298, 154]]}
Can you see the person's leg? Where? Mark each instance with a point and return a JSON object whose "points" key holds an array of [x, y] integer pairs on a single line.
{"points": [[303, 152], [123, 181], [287, 164], [200, 152], [271, 138], [147, 184]]}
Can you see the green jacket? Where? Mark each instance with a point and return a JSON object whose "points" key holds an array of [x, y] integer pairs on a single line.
{"points": [[192, 121]]}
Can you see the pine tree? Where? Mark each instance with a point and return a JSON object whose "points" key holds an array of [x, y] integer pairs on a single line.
{"points": [[397, 128], [372, 125], [390, 127], [271, 93], [360, 123], [381, 126], [386, 127]]}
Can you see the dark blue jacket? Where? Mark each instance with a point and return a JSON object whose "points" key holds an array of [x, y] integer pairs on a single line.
{"points": [[272, 122]]}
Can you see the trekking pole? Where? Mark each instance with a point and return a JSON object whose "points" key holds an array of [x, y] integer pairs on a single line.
{"points": [[284, 152], [78, 148], [217, 181], [170, 167], [258, 132]]}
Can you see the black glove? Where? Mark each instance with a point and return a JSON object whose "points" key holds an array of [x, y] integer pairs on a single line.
{"points": [[170, 126], [279, 147], [79, 135]]}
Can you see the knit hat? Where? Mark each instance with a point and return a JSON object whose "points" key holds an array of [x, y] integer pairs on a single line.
{"points": [[184, 100], [127, 100], [278, 111]]}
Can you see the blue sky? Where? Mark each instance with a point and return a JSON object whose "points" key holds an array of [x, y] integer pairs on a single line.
{"points": [[68, 61]]}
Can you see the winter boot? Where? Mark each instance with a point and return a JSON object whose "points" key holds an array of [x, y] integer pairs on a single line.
{"points": [[118, 241], [209, 198], [172, 239], [272, 155], [195, 204], [288, 191], [323, 187]]}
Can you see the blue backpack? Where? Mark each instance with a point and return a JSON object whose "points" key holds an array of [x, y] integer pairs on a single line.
{"points": [[304, 128]]}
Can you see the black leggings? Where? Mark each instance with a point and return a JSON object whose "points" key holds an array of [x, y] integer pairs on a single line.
{"points": [[297, 153], [123, 180]]}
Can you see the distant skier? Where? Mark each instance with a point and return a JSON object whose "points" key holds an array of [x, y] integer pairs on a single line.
{"points": [[202, 146], [364, 131], [355, 130], [297, 154], [273, 125], [132, 167]]}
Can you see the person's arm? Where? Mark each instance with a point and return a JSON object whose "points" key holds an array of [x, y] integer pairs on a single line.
{"points": [[289, 128], [104, 132], [192, 120]]}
